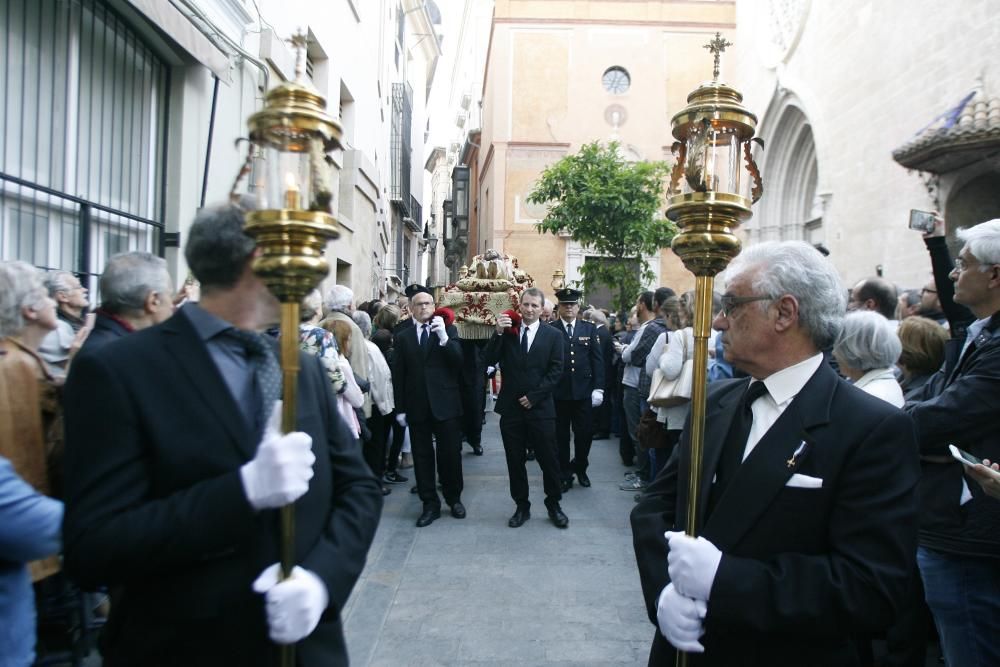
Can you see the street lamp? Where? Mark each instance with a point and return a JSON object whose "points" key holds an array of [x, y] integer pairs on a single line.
{"points": [[713, 184], [291, 225]]}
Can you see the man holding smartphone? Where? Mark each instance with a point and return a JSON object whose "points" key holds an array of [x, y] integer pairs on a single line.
{"points": [[959, 552]]}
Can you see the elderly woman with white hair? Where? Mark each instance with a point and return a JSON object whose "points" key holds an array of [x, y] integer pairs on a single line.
{"points": [[866, 351]]}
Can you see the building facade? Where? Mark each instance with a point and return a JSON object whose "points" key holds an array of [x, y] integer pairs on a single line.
{"points": [[148, 100], [562, 74], [840, 88]]}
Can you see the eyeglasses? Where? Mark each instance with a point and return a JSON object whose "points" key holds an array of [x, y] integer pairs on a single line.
{"points": [[930, 291], [961, 264], [731, 303]]}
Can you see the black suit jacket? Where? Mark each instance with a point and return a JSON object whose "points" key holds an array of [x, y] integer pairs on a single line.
{"points": [[606, 342], [105, 330], [583, 363], [802, 568], [426, 383], [155, 506], [535, 375]]}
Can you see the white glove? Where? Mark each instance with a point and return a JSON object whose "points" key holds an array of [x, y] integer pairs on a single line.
{"points": [[681, 619], [596, 398], [692, 564], [295, 605], [401, 419], [438, 327], [279, 473]]}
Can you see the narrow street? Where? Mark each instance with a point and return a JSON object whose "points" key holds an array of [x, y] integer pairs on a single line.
{"points": [[475, 592]]}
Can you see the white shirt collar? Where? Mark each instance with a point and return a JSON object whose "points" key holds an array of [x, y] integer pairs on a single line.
{"points": [[531, 327], [785, 384], [873, 375], [571, 323]]}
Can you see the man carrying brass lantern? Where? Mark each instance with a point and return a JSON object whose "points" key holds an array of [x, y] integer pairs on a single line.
{"points": [[807, 507], [175, 474]]}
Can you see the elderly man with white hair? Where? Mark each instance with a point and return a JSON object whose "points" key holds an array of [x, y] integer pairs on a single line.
{"points": [[959, 554], [339, 304], [807, 499]]}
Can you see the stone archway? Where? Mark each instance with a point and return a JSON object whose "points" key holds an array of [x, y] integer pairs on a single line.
{"points": [[975, 201], [791, 208]]}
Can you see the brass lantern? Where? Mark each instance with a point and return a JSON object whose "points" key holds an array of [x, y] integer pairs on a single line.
{"points": [[712, 186], [293, 220], [715, 179], [558, 280], [292, 223]]}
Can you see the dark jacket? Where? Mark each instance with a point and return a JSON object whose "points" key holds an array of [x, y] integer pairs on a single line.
{"points": [[534, 375], [803, 569], [606, 341], [155, 505], [425, 382], [106, 329], [583, 362], [959, 405]]}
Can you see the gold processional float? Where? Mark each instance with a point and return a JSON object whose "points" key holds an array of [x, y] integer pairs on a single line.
{"points": [[712, 186], [292, 223]]}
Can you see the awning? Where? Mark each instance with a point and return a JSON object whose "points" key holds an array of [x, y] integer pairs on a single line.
{"points": [[179, 28]]}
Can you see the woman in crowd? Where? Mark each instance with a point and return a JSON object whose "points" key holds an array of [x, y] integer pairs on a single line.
{"points": [[669, 353], [383, 401], [385, 321], [352, 397], [866, 351], [923, 342], [318, 341]]}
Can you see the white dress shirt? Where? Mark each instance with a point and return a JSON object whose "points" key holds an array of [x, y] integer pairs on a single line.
{"points": [[532, 329], [782, 388]]}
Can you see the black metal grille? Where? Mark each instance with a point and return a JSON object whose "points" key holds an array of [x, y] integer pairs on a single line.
{"points": [[415, 221], [400, 145], [83, 122]]}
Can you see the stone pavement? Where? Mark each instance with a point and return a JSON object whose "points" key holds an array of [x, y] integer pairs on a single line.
{"points": [[476, 592]]}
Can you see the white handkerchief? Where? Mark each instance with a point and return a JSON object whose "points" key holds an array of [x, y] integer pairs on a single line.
{"points": [[804, 482]]}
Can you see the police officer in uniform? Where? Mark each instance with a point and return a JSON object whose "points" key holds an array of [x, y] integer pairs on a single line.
{"points": [[579, 390]]}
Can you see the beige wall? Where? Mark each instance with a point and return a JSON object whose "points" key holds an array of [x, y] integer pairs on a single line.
{"points": [[543, 98], [868, 75]]}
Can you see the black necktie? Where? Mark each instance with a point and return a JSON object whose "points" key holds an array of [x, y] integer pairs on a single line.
{"points": [[524, 341], [569, 330], [736, 441], [266, 373], [424, 337]]}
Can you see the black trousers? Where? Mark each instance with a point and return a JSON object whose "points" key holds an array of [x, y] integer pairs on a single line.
{"points": [[472, 384], [447, 440], [374, 449], [579, 415], [398, 437], [520, 433]]}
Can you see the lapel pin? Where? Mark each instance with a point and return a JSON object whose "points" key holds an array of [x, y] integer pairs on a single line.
{"points": [[799, 451]]}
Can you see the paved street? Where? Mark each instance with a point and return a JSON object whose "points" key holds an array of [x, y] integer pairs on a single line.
{"points": [[475, 592]]}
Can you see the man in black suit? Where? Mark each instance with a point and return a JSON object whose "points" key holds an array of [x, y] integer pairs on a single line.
{"points": [[602, 414], [425, 378], [531, 360], [170, 500], [807, 499], [580, 390], [135, 294]]}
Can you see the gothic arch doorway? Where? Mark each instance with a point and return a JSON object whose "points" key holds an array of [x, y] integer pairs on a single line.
{"points": [[791, 208]]}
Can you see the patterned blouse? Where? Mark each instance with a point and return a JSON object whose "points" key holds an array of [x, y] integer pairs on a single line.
{"points": [[321, 343]]}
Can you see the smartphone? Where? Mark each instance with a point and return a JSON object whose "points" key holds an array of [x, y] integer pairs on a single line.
{"points": [[922, 221], [964, 457]]}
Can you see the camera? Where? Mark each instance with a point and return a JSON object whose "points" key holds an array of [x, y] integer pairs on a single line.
{"points": [[922, 221]]}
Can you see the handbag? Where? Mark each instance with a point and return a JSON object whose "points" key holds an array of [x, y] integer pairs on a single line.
{"points": [[664, 393], [652, 434]]}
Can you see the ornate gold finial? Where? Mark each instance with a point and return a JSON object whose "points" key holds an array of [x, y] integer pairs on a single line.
{"points": [[717, 46]]}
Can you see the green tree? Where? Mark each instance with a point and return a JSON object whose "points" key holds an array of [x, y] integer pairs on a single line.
{"points": [[610, 206]]}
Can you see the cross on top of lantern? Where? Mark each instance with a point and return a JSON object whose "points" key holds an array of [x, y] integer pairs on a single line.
{"points": [[715, 179], [292, 184]]}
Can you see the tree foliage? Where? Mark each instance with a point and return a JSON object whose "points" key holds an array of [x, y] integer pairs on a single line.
{"points": [[610, 206]]}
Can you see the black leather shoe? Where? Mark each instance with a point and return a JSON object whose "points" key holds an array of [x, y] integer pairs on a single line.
{"points": [[477, 449], [413, 489], [600, 436], [558, 518], [529, 454], [520, 516], [428, 517], [458, 511], [584, 480], [566, 484]]}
